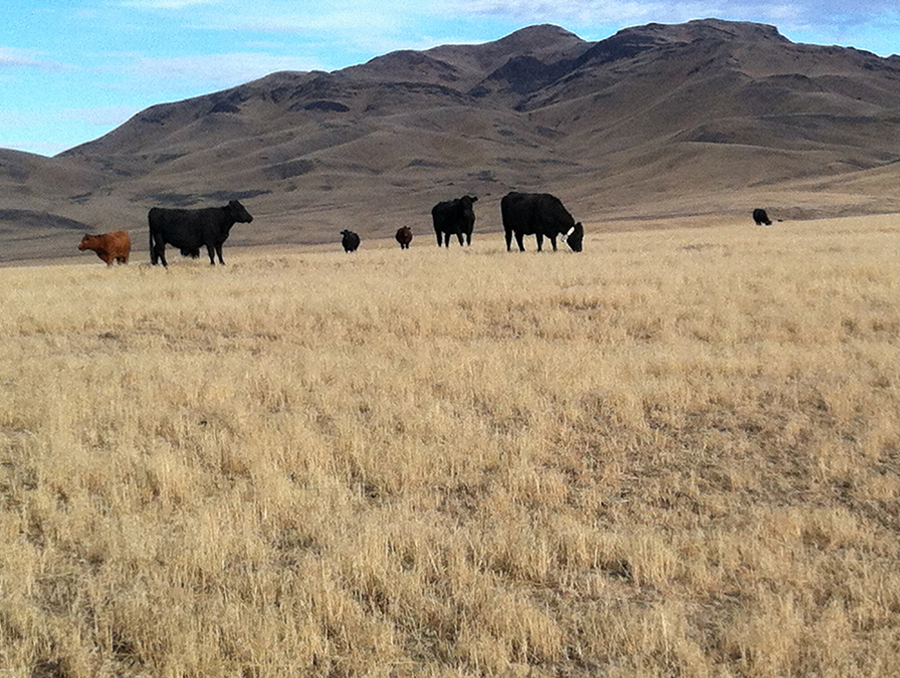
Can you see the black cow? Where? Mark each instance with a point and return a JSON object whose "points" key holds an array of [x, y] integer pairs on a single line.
{"points": [[189, 230], [760, 217], [541, 215], [350, 241], [454, 217], [404, 237]]}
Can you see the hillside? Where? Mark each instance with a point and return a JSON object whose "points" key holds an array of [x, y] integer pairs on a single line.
{"points": [[703, 118]]}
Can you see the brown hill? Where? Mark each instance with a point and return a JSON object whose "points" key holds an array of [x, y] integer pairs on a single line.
{"points": [[707, 117]]}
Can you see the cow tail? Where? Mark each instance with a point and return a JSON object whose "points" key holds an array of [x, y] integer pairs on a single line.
{"points": [[154, 257]]}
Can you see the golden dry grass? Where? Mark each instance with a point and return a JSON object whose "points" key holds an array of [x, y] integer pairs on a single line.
{"points": [[674, 454]]}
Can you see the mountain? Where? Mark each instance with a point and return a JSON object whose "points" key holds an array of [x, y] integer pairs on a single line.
{"points": [[706, 117]]}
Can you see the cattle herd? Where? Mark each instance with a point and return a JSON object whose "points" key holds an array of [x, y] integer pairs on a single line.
{"points": [[539, 214]]}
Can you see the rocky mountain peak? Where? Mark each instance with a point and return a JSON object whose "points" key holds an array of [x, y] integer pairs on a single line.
{"points": [[705, 29]]}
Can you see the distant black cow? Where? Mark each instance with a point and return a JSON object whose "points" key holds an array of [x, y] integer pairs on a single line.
{"points": [[454, 217], [404, 237], [760, 217], [189, 230], [541, 215], [349, 240]]}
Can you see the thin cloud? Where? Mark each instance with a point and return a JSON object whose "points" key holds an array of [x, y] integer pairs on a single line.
{"points": [[575, 11], [591, 11], [301, 23], [817, 21], [18, 58], [166, 4], [369, 30]]}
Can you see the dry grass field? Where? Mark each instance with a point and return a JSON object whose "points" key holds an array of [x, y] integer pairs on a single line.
{"points": [[675, 454]]}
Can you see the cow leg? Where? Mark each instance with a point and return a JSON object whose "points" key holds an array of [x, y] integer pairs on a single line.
{"points": [[158, 254], [211, 251], [447, 240], [521, 244], [508, 239], [468, 238], [459, 236], [540, 240], [219, 254], [438, 234], [553, 242]]}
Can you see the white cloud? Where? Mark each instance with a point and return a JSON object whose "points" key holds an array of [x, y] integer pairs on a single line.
{"points": [[577, 11], [325, 21], [19, 58], [370, 30], [166, 4], [587, 12]]}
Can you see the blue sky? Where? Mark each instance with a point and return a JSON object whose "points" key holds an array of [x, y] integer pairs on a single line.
{"points": [[72, 70]]}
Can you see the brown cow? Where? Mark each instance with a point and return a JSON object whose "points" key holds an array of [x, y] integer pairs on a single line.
{"points": [[110, 247], [404, 237]]}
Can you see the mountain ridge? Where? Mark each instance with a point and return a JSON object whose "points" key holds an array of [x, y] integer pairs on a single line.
{"points": [[710, 113]]}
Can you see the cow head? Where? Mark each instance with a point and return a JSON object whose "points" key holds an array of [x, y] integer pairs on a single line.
{"points": [[239, 212], [575, 237], [87, 242]]}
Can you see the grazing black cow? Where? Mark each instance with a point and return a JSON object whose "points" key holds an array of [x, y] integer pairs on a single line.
{"points": [[404, 237], [454, 217], [350, 241], [760, 217], [541, 215], [189, 230]]}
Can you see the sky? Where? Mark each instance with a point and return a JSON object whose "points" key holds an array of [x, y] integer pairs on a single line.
{"points": [[73, 70]]}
